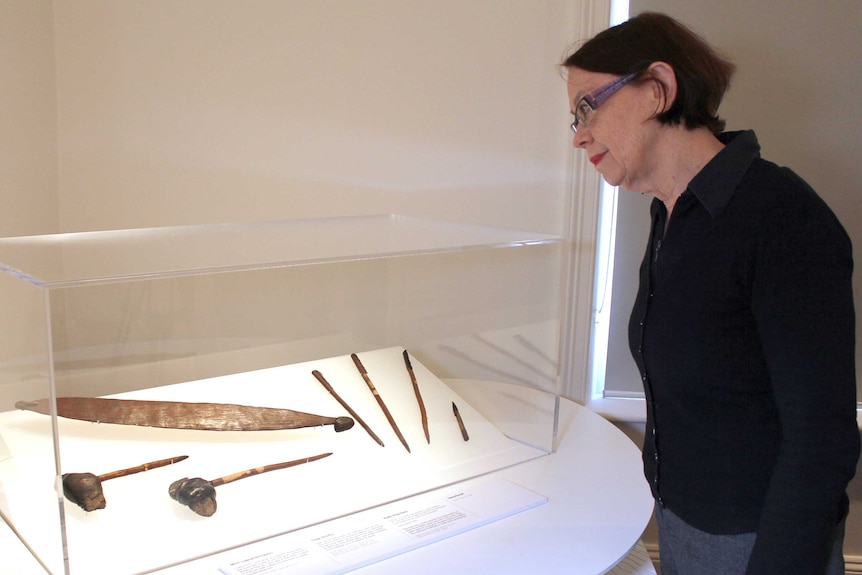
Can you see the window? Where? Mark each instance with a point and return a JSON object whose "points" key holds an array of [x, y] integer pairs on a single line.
{"points": [[623, 221]]}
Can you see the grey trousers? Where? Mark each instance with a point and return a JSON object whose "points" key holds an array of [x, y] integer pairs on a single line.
{"points": [[684, 550]]}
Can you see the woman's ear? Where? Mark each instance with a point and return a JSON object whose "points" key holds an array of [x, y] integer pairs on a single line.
{"points": [[664, 88]]}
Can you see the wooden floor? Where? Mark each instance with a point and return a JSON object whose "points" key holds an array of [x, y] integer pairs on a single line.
{"points": [[637, 562]]}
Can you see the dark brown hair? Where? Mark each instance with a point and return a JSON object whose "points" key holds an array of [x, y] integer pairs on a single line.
{"points": [[702, 75]]}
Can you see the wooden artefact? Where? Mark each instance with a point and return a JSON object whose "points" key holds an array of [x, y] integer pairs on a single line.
{"points": [[379, 399], [422, 413], [183, 415], [199, 494], [85, 489]]}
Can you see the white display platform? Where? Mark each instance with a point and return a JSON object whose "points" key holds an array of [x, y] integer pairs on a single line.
{"points": [[373, 535], [142, 529], [598, 504]]}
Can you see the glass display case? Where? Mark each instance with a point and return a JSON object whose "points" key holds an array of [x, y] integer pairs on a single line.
{"points": [[121, 348]]}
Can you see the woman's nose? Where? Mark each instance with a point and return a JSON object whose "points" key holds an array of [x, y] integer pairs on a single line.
{"points": [[582, 137]]}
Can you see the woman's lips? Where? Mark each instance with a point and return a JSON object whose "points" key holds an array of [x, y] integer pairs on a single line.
{"points": [[597, 158]]}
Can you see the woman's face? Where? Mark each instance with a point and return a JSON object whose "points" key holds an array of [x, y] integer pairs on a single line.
{"points": [[618, 133]]}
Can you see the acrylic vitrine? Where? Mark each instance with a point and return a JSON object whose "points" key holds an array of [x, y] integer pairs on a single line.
{"points": [[257, 314]]}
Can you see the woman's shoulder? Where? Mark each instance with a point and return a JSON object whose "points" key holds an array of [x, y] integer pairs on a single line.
{"points": [[767, 185], [781, 201]]}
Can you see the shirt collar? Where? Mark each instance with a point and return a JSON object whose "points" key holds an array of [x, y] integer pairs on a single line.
{"points": [[716, 183]]}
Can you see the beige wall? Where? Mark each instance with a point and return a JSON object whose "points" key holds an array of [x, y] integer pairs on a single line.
{"points": [[28, 148], [216, 110], [166, 112], [28, 164]]}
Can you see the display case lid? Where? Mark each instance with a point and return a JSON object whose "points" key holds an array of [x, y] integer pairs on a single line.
{"points": [[72, 259]]}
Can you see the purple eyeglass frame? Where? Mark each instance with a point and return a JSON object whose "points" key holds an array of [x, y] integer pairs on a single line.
{"points": [[595, 98]]}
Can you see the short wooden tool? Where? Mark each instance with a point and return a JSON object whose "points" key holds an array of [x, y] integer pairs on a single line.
{"points": [[199, 494], [460, 421]]}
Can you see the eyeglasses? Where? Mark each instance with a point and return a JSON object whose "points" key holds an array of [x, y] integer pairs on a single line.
{"points": [[594, 99]]}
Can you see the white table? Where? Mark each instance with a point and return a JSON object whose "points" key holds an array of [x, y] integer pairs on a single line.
{"points": [[598, 505]]}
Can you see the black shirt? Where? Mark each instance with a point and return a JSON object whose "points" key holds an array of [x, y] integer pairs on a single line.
{"points": [[743, 331]]}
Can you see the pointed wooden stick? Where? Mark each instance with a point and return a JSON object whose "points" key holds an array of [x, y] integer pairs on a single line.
{"points": [[199, 494], [379, 399], [343, 403], [422, 412], [85, 489]]}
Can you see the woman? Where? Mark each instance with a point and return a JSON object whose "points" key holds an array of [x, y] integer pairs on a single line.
{"points": [[743, 327]]}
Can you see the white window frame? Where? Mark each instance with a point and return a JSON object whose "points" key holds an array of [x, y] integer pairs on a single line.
{"points": [[590, 270]]}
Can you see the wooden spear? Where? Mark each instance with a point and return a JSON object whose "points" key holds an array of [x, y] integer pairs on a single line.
{"points": [[379, 399], [422, 413], [353, 414]]}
